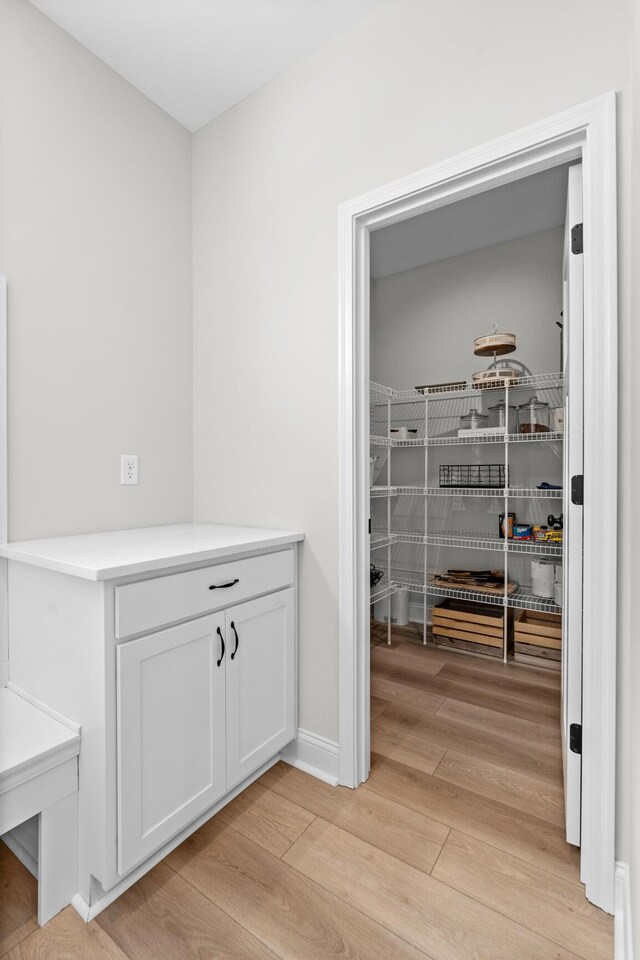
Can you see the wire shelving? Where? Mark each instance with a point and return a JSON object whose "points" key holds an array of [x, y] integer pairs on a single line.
{"points": [[380, 394], [521, 599], [465, 540], [489, 438], [382, 590], [495, 493], [383, 492], [450, 441], [430, 417]]}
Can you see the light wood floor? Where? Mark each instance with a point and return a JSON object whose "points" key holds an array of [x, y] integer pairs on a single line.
{"points": [[453, 850]]}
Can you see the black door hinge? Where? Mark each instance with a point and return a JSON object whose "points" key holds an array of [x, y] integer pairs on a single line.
{"points": [[576, 238], [575, 738], [369, 526], [577, 490]]}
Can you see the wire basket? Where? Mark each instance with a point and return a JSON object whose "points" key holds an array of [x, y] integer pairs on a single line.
{"points": [[488, 475]]}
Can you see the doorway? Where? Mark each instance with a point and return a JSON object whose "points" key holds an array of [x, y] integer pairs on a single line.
{"points": [[585, 135]]}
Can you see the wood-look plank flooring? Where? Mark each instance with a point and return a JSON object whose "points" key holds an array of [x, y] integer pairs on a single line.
{"points": [[453, 849]]}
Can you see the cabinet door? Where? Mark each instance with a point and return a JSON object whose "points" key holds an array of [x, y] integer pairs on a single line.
{"points": [[260, 682], [171, 733]]}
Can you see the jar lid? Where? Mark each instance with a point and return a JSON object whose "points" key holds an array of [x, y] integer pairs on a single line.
{"points": [[474, 415], [502, 405], [533, 404]]}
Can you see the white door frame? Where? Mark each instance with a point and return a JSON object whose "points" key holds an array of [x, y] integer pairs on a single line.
{"points": [[573, 451], [4, 483], [586, 132]]}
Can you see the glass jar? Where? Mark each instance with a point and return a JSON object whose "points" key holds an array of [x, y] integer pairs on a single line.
{"points": [[533, 416], [501, 416], [474, 420]]}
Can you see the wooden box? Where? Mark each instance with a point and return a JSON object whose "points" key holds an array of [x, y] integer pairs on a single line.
{"points": [[477, 627], [538, 638]]}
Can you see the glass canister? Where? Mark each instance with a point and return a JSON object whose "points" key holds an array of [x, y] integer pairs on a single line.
{"points": [[533, 416], [474, 420], [501, 416]]}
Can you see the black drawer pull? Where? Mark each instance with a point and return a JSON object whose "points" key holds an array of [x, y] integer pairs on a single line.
{"points": [[219, 632], [233, 627], [223, 586]]}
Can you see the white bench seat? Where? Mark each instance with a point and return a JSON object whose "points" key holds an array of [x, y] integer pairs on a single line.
{"points": [[39, 777]]}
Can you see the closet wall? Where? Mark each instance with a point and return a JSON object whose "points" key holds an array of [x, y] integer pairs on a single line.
{"points": [[424, 321]]}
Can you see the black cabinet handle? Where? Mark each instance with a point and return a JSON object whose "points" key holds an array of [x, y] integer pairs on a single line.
{"points": [[233, 627], [219, 632], [223, 586]]}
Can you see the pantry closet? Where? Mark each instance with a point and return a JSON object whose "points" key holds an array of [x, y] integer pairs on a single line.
{"points": [[469, 465]]}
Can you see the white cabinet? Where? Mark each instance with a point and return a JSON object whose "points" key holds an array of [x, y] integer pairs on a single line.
{"points": [[260, 682], [171, 734], [123, 633], [200, 707]]}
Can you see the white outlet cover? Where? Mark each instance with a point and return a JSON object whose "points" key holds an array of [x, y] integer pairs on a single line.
{"points": [[129, 468]]}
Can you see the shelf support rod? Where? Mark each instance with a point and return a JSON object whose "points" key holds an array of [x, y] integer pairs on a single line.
{"points": [[389, 521], [426, 518], [505, 627]]}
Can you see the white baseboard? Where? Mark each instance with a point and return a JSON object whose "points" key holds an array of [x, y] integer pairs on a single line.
{"points": [[81, 906], [314, 755], [622, 916], [23, 843]]}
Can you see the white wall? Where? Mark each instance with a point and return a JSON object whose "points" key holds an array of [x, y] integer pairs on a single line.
{"points": [[411, 85], [424, 321], [95, 240]]}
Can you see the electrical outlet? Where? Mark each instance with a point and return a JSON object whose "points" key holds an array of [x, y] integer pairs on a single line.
{"points": [[129, 468]]}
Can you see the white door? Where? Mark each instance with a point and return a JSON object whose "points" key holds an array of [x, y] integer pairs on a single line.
{"points": [[171, 733], [573, 512], [260, 682]]}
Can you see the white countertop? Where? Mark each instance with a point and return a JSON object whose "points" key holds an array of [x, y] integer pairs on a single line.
{"points": [[30, 734], [119, 553]]}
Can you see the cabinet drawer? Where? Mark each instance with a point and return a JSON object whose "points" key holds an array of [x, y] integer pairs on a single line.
{"points": [[150, 604]]}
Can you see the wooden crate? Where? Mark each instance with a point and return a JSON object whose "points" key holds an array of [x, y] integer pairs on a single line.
{"points": [[538, 638], [469, 626]]}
